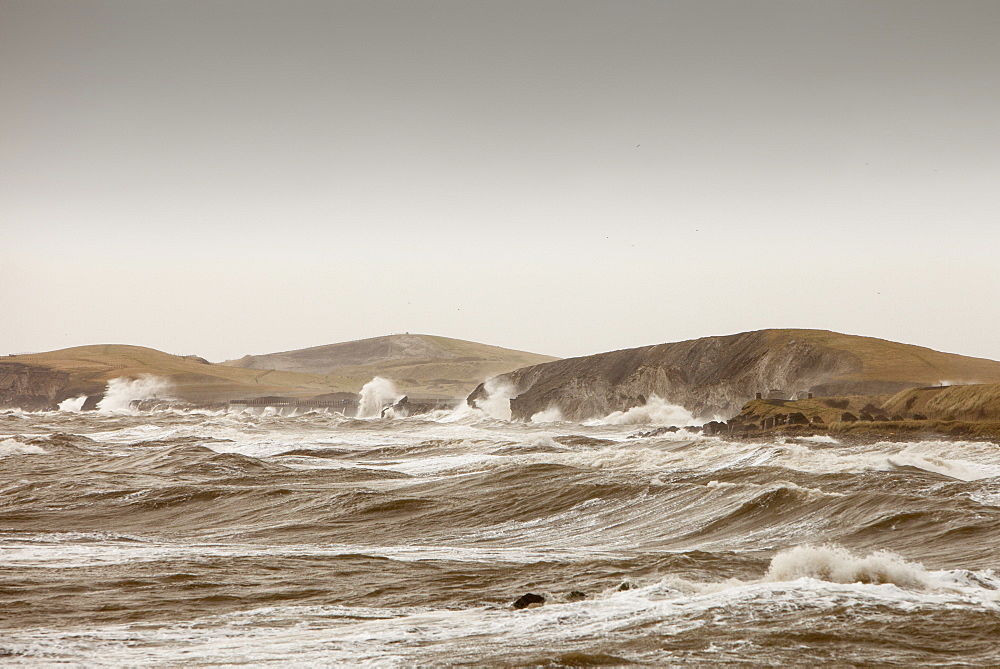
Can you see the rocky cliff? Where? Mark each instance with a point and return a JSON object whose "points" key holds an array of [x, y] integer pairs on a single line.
{"points": [[32, 387], [718, 375]]}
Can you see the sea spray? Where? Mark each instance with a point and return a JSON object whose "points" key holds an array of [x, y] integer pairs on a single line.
{"points": [[838, 565], [375, 396], [496, 403], [550, 415], [122, 391], [656, 411], [73, 404]]}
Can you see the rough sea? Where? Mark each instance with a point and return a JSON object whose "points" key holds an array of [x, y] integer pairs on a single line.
{"points": [[173, 538]]}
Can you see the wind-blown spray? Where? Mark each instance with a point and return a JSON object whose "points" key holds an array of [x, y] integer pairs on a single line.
{"points": [[496, 404], [73, 404], [121, 392], [656, 411], [375, 396]]}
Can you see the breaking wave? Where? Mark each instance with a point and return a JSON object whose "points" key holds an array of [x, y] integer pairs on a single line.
{"points": [[73, 404], [122, 391], [496, 403], [839, 565], [656, 411], [550, 415], [9, 447], [376, 395]]}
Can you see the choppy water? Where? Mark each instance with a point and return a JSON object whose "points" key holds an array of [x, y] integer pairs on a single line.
{"points": [[198, 539]]}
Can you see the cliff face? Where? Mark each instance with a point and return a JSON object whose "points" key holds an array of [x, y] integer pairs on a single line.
{"points": [[32, 387], [718, 375]]}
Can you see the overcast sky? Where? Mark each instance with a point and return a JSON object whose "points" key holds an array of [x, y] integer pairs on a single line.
{"points": [[233, 177]]}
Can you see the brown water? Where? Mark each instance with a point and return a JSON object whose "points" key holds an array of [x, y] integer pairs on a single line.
{"points": [[194, 539]]}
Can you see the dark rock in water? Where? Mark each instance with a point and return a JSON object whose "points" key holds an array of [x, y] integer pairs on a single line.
{"points": [[576, 596], [90, 404], [524, 601], [399, 408], [656, 432], [625, 586]]}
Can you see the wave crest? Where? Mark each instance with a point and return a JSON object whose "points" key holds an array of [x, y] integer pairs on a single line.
{"points": [[839, 565]]}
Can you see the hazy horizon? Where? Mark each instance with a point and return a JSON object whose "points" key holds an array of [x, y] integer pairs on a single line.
{"points": [[225, 178]]}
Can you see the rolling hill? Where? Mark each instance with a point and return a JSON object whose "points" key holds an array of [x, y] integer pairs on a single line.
{"points": [[424, 365], [430, 367], [41, 380]]}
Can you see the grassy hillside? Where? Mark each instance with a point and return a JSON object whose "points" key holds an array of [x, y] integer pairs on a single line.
{"points": [[419, 364], [893, 361], [194, 379], [965, 403]]}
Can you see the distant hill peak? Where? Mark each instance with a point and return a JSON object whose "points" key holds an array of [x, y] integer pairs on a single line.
{"points": [[423, 364]]}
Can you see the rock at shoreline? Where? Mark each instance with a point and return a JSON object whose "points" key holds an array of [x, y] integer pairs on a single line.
{"points": [[528, 600]]}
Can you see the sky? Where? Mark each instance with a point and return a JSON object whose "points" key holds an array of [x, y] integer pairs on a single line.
{"points": [[230, 177]]}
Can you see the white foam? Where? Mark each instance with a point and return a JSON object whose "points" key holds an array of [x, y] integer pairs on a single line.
{"points": [[122, 391], [550, 415], [77, 550], [819, 439], [11, 447], [73, 404], [656, 411], [496, 402], [839, 565], [376, 395], [958, 469]]}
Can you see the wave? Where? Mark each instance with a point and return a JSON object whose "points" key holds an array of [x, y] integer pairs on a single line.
{"points": [[838, 565], [73, 404], [15, 446], [656, 411], [122, 391]]}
